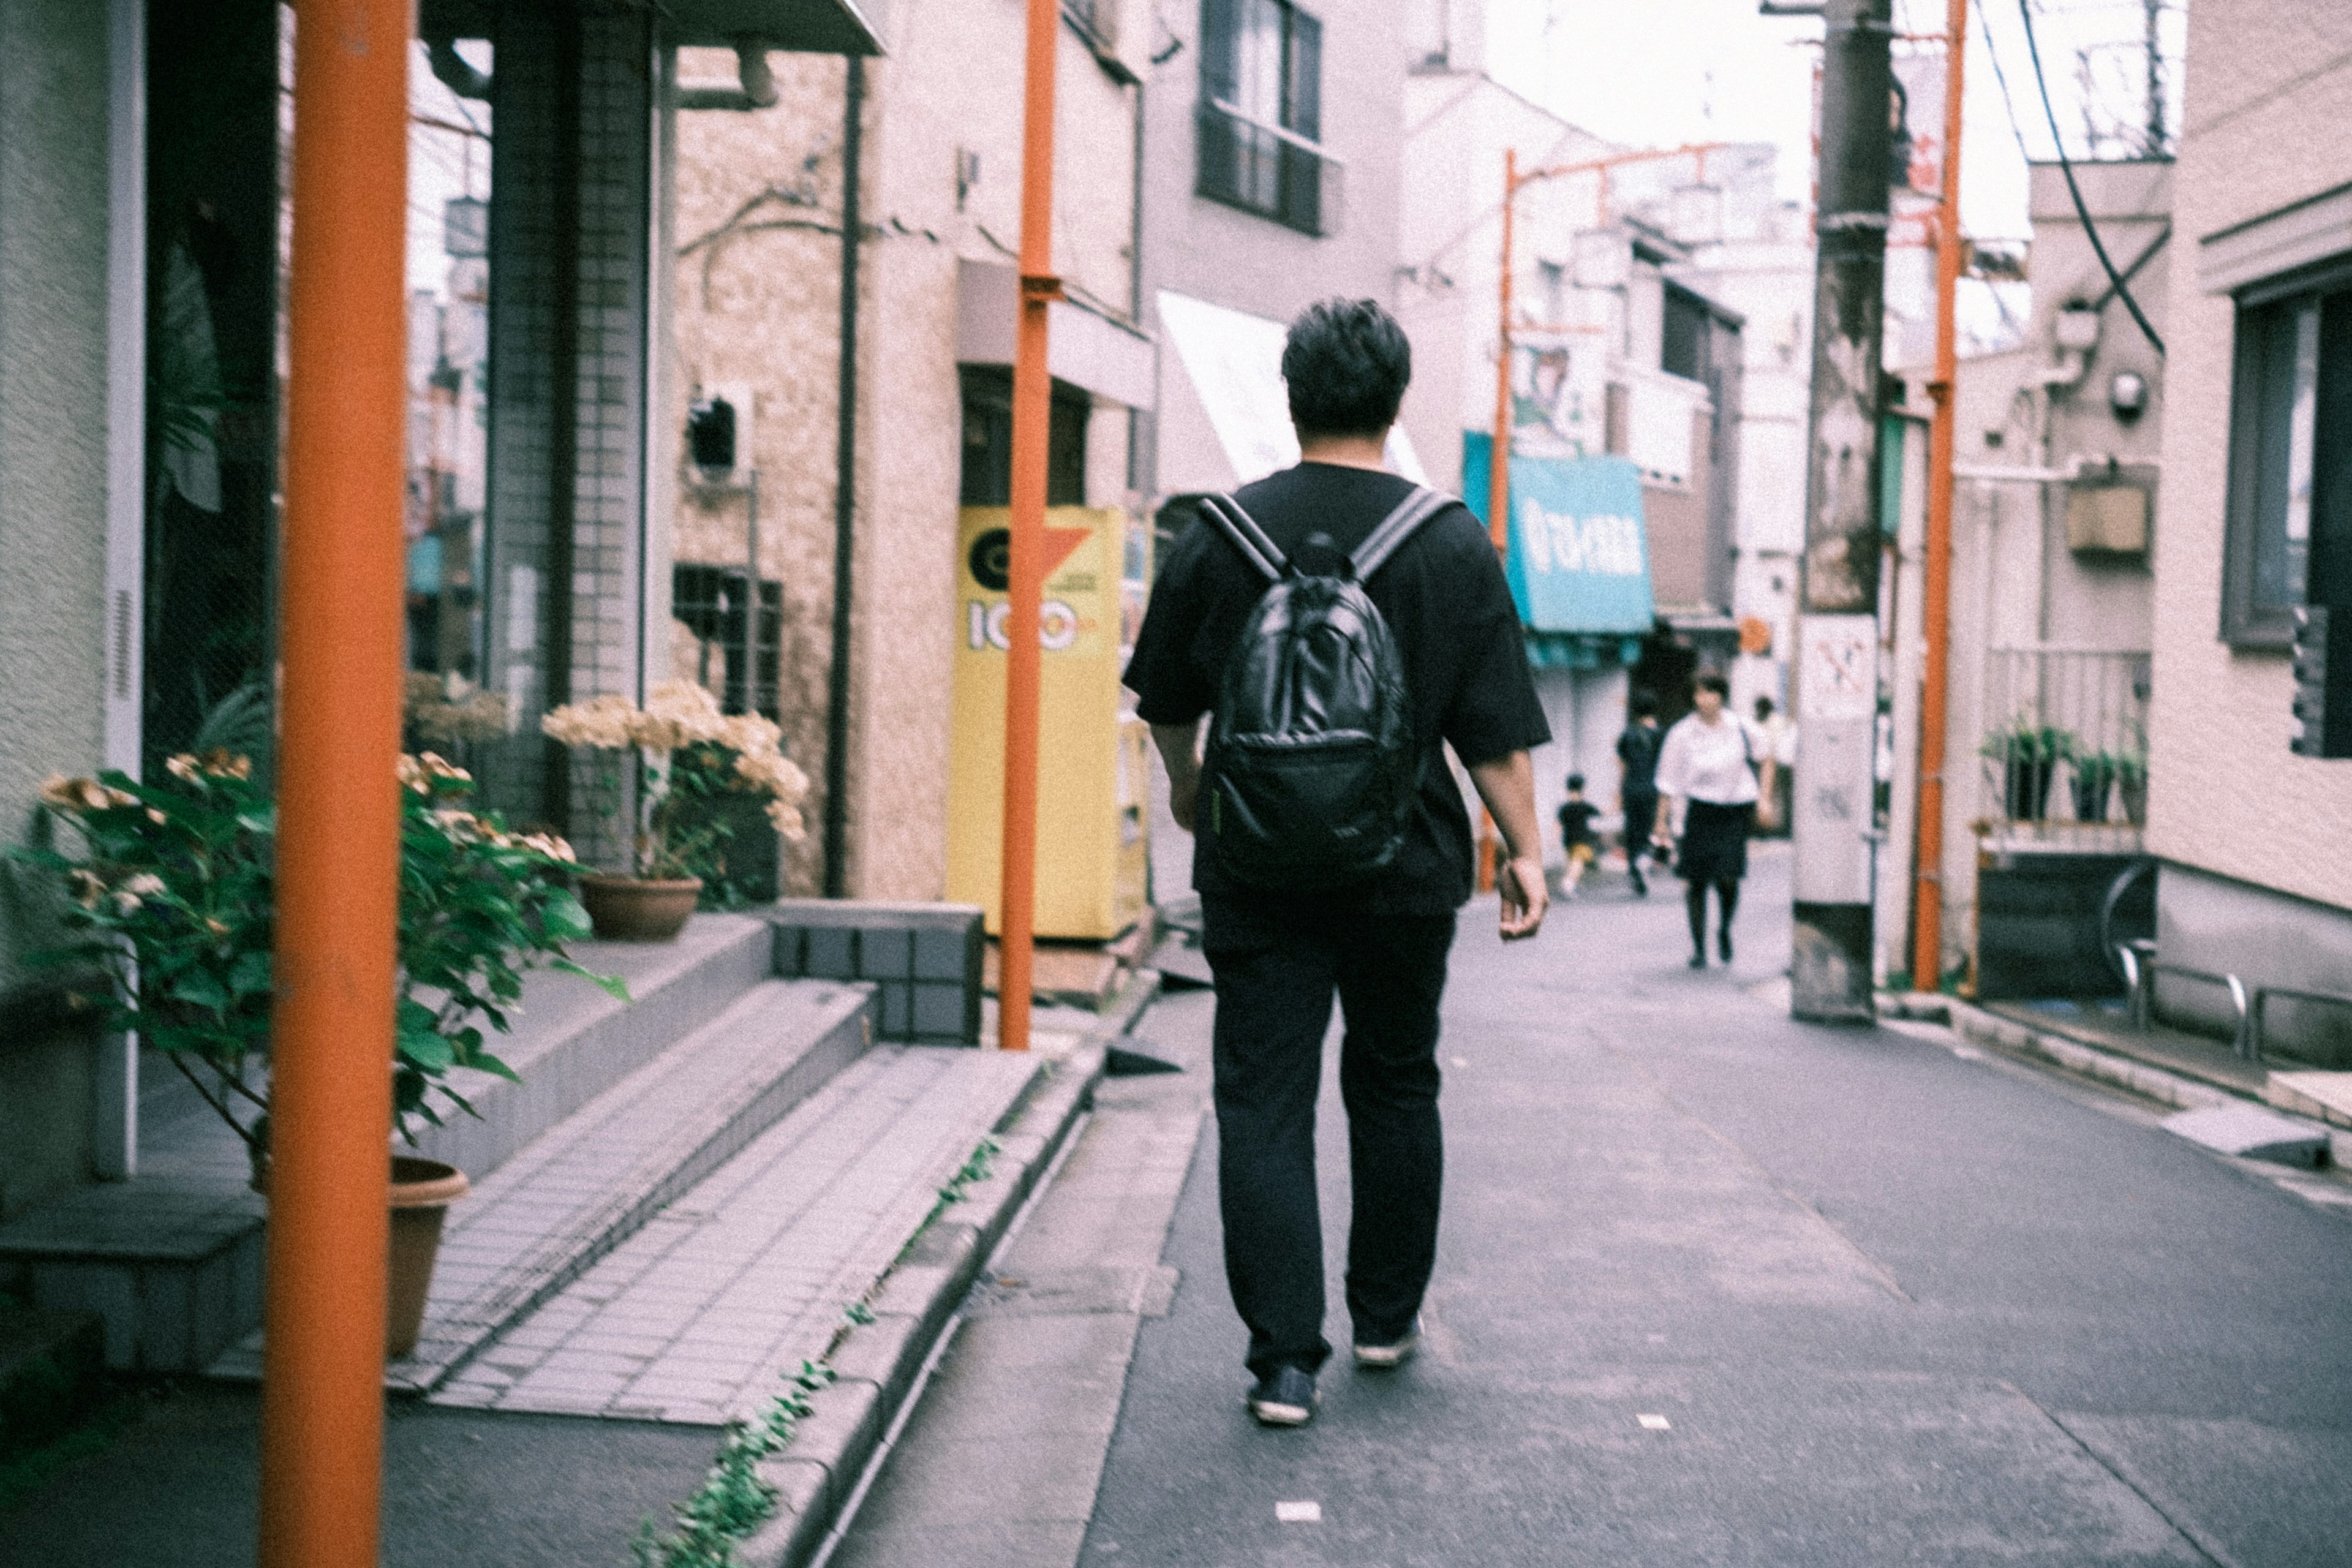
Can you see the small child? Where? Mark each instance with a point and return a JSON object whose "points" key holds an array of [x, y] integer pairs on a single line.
{"points": [[1576, 834]]}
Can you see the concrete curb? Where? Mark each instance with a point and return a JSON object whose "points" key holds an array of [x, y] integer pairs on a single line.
{"points": [[877, 1364], [1974, 1023]]}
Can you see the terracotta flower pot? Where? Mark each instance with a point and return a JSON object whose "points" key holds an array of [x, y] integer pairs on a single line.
{"points": [[422, 1192], [639, 908]]}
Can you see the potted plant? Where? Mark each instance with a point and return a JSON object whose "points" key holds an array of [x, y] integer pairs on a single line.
{"points": [[173, 899], [2029, 754], [686, 755], [2131, 784], [2094, 781]]}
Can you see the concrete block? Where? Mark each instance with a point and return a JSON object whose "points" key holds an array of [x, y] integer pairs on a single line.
{"points": [[832, 953], [2251, 1133], [948, 952], [885, 954], [894, 1013], [792, 953], [945, 1013]]}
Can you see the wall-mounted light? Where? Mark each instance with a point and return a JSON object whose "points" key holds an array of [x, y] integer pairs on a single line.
{"points": [[710, 438], [2127, 394]]}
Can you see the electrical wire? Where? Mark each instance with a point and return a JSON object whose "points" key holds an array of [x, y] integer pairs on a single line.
{"points": [[2001, 76], [2082, 210]]}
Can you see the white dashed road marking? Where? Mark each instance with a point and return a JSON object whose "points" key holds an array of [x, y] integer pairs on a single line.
{"points": [[1299, 1512], [1654, 1424]]}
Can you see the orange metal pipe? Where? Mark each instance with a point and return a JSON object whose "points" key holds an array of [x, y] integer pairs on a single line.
{"points": [[337, 803], [1498, 463], [1031, 416], [1927, 885]]}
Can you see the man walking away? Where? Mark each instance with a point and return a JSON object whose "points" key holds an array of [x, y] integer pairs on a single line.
{"points": [[1637, 783], [1278, 953]]}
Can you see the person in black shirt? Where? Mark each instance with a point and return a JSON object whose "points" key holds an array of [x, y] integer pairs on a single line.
{"points": [[1380, 944], [1637, 786], [1576, 840]]}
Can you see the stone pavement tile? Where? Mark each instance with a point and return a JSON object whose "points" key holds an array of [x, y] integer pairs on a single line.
{"points": [[980, 1543], [1046, 1476]]}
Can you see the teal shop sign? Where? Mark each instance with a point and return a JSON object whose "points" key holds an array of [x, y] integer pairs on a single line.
{"points": [[1579, 559]]}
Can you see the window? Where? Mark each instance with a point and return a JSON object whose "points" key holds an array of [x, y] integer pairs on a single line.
{"points": [[1261, 118], [2290, 520], [988, 440]]}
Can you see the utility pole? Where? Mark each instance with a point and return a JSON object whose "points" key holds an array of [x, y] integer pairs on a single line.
{"points": [[1032, 412], [2154, 13], [1837, 635], [1928, 884]]}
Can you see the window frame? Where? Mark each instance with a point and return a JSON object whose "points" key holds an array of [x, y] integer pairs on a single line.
{"points": [[1228, 141], [2260, 452]]}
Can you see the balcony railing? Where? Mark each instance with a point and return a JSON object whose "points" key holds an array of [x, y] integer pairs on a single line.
{"points": [[2064, 754], [1267, 169]]}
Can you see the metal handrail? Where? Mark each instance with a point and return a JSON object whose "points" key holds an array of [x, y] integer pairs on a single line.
{"points": [[2140, 970], [2263, 993], [1281, 133]]}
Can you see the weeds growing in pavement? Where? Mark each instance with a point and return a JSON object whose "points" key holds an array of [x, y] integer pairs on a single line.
{"points": [[733, 1501]]}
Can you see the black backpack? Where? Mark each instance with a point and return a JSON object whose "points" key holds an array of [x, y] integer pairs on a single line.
{"points": [[1311, 767]]}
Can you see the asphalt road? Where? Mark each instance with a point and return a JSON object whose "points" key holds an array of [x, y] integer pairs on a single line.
{"points": [[1716, 1288]]}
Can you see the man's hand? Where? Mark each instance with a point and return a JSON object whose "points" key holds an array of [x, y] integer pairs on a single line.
{"points": [[1507, 785], [1526, 897], [1179, 750]]}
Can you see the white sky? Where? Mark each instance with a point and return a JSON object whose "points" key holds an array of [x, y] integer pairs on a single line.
{"points": [[1661, 72]]}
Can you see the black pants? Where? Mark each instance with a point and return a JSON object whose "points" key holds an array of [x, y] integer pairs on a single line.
{"points": [[1275, 976]]}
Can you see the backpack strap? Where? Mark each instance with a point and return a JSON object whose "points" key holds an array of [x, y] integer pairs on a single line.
{"points": [[1247, 537], [1383, 541]]}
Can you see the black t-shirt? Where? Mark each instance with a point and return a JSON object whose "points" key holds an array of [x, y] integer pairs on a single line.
{"points": [[1638, 748], [1576, 822], [1445, 600]]}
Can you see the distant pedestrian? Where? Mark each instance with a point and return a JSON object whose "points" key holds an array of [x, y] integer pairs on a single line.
{"points": [[1279, 950], [1711, 766], [1576, 840], [1637, 783]]}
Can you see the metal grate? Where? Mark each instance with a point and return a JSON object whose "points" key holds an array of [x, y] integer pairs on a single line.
{"points": [[2065, 757], [709, 602]]}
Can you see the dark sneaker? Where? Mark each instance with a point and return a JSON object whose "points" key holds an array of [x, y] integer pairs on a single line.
{"points": [[1723, 943], [1283, 1397], [1389, 1356], [1698, 959], [1641, 886]]}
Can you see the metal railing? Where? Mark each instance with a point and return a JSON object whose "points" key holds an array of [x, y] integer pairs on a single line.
{"points": [[2141, 967], [2065, 753], [2264, 995]]}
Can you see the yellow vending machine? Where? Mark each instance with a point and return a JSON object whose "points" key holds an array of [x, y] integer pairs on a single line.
{"points": [[1093, 772]]}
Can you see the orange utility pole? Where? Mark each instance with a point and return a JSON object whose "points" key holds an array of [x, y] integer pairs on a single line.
{"points": [[338, 800], [1032, 412], [1927, 885], [1499, 461]]}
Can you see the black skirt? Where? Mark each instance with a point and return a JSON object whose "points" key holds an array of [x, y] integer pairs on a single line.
{"points": [[1714, 842]]}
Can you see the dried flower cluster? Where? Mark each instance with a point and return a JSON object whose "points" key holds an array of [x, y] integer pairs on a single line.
{"points": [[688, 745]]}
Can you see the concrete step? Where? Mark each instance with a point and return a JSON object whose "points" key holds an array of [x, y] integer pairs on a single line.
{"points": [[2322, 1096], [587, 1186], [173, 1258], [695, 1318]]}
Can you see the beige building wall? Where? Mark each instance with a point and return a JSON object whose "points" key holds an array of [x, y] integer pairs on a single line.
{"points": [[758, 297], [2262, 129]]}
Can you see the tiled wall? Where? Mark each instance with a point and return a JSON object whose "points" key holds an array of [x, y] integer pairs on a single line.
{"points": [[571, 167]]}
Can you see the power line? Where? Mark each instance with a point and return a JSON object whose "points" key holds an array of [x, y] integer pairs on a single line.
{"points": [[2082, 210], [2008, 106]]}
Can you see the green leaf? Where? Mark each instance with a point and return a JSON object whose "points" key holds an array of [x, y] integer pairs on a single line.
{"points": [[249, 975], [488, 1063], [198, 987], [613, 985], [567, 919], [428, 1051]]}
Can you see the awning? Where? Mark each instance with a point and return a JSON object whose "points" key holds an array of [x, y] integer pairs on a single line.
{"points": [[1085, 348], [1225, 422], [1579, 561], [805, 27]]}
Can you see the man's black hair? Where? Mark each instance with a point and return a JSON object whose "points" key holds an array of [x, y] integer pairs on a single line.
{"points": [[1713, 682], [1347, 363], [1575, 784], [1645, 705]]}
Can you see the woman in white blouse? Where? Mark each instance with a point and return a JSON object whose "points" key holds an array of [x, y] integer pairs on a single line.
{"points": [[1715, 766]]}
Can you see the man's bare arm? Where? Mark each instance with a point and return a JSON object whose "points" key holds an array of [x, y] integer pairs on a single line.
{"points": [[1178, 748], [1507, 785]]}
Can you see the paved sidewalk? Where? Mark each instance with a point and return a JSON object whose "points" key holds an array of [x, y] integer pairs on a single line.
{"points": [[1714, 1288]]}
